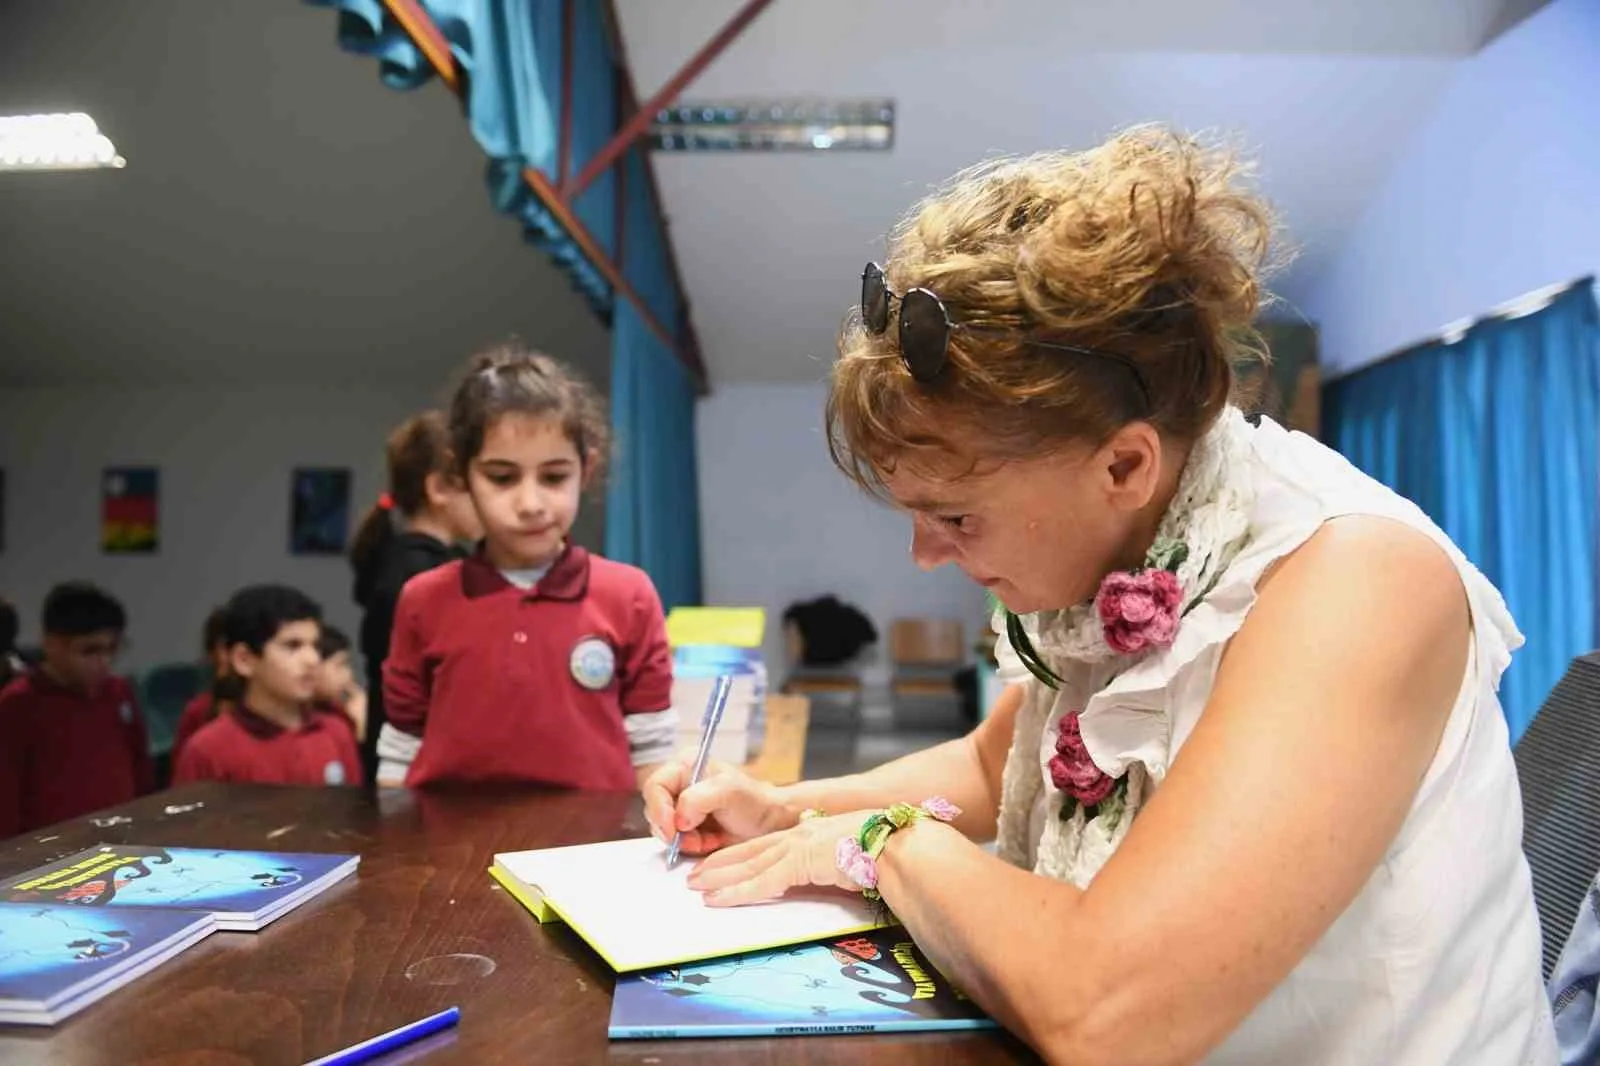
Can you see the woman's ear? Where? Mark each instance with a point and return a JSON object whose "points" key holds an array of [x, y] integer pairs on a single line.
{"points": [[1132, 463]]}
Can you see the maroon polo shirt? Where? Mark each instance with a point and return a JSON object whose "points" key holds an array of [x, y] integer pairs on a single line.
{"points": [[65, 753], [507, 684], [240, 745], [197, 713]]}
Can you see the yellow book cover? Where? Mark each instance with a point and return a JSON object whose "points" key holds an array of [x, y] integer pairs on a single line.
{"points": [[735, 627]]}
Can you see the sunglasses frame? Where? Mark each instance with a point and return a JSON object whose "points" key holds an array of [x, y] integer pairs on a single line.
{"points": [[924, 360]]}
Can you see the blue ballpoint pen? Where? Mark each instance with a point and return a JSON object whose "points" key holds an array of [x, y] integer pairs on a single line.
{"points": [[708, 729], [382, 1045]]}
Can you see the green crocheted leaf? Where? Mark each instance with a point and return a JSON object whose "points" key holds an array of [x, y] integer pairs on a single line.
{"points": [[1025, 652], [1167, 554]]}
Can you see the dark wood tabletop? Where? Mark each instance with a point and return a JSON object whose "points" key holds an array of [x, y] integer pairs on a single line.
{"points": [[421, 927]]}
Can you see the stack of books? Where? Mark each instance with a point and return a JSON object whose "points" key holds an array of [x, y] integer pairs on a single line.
{"points": [[78, 929], [816, 961], [708, 642]]}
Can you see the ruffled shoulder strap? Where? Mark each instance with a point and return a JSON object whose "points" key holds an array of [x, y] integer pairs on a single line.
{"points": [[1137, 717], [1145, 714]]}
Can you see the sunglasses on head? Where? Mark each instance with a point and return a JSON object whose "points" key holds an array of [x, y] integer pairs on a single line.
{"points": [[925, 329]]}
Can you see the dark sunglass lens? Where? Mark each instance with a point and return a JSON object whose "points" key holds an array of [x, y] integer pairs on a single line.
{"points": [[874, 299], [924, 333]]}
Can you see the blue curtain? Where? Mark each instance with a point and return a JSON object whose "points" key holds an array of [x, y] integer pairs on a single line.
{"points": [[510, 54], [652, 505], [1495, 437]]}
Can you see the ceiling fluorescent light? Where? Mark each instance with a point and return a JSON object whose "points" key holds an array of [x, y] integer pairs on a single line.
{"points": [[55, 142], [775, 125]]}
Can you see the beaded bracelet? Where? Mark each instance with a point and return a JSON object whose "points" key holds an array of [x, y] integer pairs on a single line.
{"points": [[857, 856]]}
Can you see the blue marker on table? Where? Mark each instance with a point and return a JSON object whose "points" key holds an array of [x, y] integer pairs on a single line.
{"points": [[708, 729], [382, 1045]]}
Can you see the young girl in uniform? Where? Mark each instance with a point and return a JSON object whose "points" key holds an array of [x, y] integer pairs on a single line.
{"points": [[415, 526], [533, 660], [207, 704]]}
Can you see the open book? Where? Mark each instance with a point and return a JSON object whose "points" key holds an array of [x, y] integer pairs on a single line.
{"points": [[637, 914]]}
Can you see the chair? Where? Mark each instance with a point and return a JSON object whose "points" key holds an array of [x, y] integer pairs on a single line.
{"points": [[834, 691], [163, 692], [1558, 765], [926, 654]]}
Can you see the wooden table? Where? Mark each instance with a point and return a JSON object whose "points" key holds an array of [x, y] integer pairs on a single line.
{"points": [[420, 928], [783, 751]]}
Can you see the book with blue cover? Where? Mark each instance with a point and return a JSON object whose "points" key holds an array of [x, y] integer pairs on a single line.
{"points": [[875, 981], [241, 889], [57, 959]]}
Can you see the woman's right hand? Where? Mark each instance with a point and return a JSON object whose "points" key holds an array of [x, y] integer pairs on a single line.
{"points": [[724, 807]]}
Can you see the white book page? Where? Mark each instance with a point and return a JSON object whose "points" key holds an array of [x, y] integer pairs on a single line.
{"points": [[637, 914]]}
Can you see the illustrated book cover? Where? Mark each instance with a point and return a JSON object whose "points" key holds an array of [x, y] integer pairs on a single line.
{"points": [[242, 890], [876, 981]]}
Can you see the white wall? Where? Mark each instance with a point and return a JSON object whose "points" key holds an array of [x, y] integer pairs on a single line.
{"points": [[295, 259], [1493, 200], [778, 523], [225, 456]]}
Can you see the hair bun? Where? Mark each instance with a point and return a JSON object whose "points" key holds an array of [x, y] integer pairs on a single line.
{"points": [[1149, 223]]}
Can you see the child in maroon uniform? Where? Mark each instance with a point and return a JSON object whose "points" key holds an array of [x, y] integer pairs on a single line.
{"points": [[275, 733], [336, 680], [533, 660], [10, 665], [416, 525], [204, 706], [72, 739]]}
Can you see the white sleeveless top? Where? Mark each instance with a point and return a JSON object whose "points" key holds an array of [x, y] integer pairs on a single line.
{"points": [[1437, 959]]}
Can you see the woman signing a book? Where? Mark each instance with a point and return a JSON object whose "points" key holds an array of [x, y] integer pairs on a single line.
{"points": [[1255, 803]]}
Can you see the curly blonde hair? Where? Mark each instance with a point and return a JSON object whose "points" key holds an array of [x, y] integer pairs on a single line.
{"points": [[1151, 246]]}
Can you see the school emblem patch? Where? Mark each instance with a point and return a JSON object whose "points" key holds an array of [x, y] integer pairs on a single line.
{"points": [[593, 663], [333, 773]]}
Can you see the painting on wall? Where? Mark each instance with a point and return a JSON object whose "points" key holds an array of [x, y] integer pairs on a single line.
{"points": [[319, 522], [130, 506]]}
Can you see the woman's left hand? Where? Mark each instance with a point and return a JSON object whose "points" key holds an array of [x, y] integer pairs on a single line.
{"points": [[768, 866]]}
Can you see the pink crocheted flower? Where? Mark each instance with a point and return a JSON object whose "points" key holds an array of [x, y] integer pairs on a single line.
{"points": [[855, 864], [1139, 609], [941, 808], [1069, 736], [1073, 771]]}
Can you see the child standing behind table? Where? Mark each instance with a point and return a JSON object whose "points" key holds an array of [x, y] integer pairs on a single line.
{"points": [[72, 739], [336, 680], [276, 732], [533, 660], [415, 526], [207, 704]]}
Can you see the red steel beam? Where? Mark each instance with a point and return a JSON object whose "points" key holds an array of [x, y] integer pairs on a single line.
{"points": [[564, 145], [619, 187], [424, 33], [636, 125]]}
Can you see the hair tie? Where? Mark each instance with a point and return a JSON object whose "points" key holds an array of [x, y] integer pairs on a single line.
{"points": [[385, 502]]}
